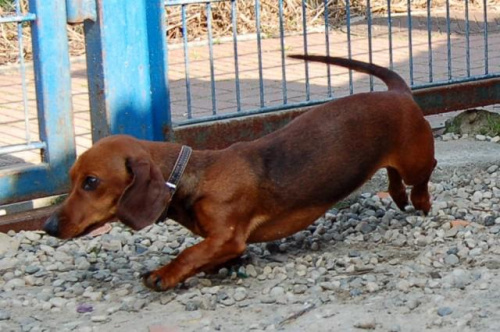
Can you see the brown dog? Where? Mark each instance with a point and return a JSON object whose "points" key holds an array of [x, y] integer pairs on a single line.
{"points": [[255, 191]]}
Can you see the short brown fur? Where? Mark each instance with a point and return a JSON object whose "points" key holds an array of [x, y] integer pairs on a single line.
{"points": [[261, 190]]}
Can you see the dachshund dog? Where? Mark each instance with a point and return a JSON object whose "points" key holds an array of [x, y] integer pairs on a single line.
{"points": [[256, 191]]}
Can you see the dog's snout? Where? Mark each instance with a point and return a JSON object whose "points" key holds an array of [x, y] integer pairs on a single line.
{"points": [[51, 226]]}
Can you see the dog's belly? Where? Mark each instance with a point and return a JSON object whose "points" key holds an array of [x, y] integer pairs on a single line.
{"points": [[313, 193], [287, 224]]}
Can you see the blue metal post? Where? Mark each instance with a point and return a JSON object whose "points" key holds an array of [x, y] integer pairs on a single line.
{"points": [[282, 49], [304, 34], [448, 38], [370, 47], [53, 80], [410, 40], [389, 30], [429, 39], [158, 69], [23, 72], [211, 56], [259, 52], [349, 46], [467, 37], [485, 20], [235, 54], [185, 43], [327, 45], [126, 59]]}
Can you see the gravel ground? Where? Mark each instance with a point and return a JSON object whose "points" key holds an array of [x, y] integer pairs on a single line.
{"points": [[364, 266]]}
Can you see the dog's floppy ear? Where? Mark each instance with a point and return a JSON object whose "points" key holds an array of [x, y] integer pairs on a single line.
{"points": [[145, 198]]}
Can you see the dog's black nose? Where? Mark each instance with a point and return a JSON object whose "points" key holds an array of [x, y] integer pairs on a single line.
{"points": [[51, 226]]}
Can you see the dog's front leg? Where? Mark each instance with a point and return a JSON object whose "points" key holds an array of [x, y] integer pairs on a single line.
{"points": [[202, 256]]}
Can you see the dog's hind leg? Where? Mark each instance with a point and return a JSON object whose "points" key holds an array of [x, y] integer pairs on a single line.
{"points": [[397, 189], [420, 197], [417, 173]]}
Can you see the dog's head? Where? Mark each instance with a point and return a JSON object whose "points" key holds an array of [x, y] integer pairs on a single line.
{"points": [[115, 179]]}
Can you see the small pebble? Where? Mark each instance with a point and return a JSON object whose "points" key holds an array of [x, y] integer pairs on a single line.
{"points": [[481, 137], [444, 311], [369, 324], [4, 315], [99, 319], [451, 259], [84, 307], [240, 294]]}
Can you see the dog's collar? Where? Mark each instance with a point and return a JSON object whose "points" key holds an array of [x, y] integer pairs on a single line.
{"points": [[178, 170]]}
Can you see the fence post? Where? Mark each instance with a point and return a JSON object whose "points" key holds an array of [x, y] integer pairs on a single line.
{"points": [[126, 59], [53, 85], [158, 64]]}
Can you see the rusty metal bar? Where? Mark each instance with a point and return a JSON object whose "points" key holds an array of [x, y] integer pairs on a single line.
{"points": [[27, 221], [220, 134], [459, 96], [435, 100]]}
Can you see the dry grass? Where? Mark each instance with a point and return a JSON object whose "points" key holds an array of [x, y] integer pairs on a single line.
{"points": [[221, 20], [221, 17], [9, 44]]}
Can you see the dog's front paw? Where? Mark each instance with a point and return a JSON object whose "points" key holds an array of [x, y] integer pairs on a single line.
{"points": [[155, 281]]}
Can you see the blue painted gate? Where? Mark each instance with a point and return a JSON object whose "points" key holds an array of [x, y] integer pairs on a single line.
{"points": [[126, 61], [53, 97], [126, 64]]}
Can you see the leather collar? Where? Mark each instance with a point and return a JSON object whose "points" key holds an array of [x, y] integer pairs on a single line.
{"points": [[178, 170]]}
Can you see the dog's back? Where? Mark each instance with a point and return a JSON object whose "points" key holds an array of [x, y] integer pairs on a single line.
{"points": [[333, 148]]}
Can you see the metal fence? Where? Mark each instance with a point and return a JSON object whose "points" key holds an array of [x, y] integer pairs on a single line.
{"points": [[21, 80], [428, 44]]}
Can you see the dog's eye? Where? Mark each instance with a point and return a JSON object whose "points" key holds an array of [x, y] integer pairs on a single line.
{"points": [[90, 183]]}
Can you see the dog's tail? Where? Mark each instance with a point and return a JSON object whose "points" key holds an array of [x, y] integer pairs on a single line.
{"points": [[393, 81]]}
